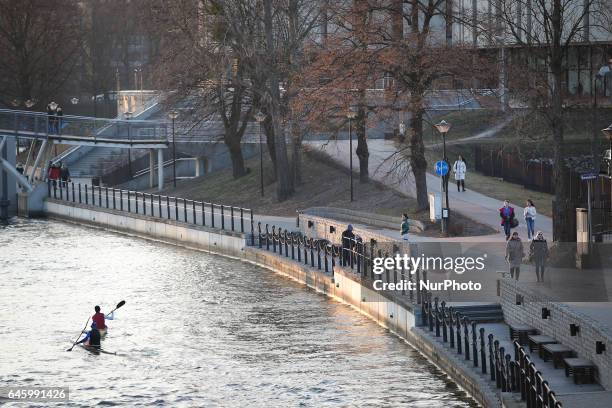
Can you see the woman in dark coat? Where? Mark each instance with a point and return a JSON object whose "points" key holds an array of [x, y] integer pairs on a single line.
{"points": [[538, 252]]}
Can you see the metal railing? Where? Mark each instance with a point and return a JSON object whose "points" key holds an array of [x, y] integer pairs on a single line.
{"points": [[517, 374], [41, 125], [201, 213]]}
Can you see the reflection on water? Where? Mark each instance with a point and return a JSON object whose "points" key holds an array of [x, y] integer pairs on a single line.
{"points": [[197, 330]]}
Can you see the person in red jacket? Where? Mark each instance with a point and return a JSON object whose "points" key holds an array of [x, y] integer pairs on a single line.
{"points": [[99, 319], [506, 214]]}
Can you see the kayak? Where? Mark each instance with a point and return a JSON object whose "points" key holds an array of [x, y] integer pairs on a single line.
{"points": [[95, 350]]}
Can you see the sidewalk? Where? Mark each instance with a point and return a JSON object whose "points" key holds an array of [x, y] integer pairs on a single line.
{"points": [[471, 204]]}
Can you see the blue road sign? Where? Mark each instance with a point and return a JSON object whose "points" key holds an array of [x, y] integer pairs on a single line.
{"points": [[589, 176], [441, 168]]}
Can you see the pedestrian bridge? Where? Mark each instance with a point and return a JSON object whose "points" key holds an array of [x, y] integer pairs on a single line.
{"points": [[84, 131], [43, 131]]}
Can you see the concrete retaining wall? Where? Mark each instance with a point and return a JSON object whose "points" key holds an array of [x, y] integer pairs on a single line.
{"points": [[344, 285], [557, 325], [193, 236], [362, 217]]}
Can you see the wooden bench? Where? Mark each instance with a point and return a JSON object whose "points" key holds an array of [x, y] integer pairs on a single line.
{"points": [[520, 332], [536, 341], [582, 370], [556, 352]]}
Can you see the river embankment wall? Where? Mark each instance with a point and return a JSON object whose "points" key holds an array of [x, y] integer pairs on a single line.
{"points": [[400, 318]]}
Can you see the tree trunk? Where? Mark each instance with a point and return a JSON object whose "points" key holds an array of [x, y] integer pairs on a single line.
{"points": [[418, 163], [235, 151], [362, 146], [296, 158], [284, 182]]}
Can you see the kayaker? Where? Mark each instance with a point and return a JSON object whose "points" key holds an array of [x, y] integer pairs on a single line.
{"points": [[92, 338], [99, 319]]}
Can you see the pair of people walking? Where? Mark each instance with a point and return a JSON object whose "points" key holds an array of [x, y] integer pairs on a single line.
{"points": [[538, 254], [509, 221]]}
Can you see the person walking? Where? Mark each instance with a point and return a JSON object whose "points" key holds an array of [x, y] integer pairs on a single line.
{"points": [[50, 117], [538, 252], [508, 220], [514, 255], [460, 168], [405, 227], [58, 119], [64, 174], [348, 243], [529, 213]]}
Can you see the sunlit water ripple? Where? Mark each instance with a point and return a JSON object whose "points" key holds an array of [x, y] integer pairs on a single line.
{"points": [[197, 330]]}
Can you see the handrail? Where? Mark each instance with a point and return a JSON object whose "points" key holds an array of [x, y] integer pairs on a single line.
{"points": [[112, 120]]}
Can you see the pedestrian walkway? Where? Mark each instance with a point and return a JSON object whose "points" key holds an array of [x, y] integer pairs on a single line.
{"points": [[471, 204]]}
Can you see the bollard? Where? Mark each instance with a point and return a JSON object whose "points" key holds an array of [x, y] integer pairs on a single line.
{"points": [[491, 357], [482, 351]]}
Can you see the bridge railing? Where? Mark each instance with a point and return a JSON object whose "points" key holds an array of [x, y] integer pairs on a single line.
{"points": [[201, 213], [39, 125]]}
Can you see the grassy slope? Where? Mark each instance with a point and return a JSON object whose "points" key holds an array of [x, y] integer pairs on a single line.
{"points": [[324, 184]]}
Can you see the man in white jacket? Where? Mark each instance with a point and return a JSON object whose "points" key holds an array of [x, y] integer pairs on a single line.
{"points": [[459, 168]]}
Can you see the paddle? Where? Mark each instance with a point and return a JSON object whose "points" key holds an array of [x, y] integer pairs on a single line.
{"points": [[77, 339], [118, 306]]}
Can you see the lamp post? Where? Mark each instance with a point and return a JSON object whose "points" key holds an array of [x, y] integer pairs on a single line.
{"points": [[608, 132], [128, 116], [259, 118], [173, 115], [351, 114], [443, 127]]}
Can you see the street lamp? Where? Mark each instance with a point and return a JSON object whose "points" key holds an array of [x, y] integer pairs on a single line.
{"points": [[173, 115], [259, 118], [443, 127], [74, 101], [351, 114], [29, 103], [128, 116], [53, 105]]}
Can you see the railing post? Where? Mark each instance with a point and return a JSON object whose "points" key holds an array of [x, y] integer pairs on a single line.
{"points": [[193, 210], [483, 359], [466, 337], [168, 206], [144, 203], [129, 201], [474, 345], [241, 220], [223, 218], [458, 328], [267, 238], [212, 216], [259, 233], [159, 206], [73, 198], [273, 236], [286, 245], [252, 234], [498, 379], [451, 327], [184, 210], [99, 196], [114, 202], [176, 217], [204, 213], [232, 216], [106, 193], [491, 357], [437, 316], [136, 201], [86, 195], [121, 200], [444, 323], [80, 200]]}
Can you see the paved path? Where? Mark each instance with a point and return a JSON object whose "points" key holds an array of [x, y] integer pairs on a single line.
{"points": [[383, 168]]}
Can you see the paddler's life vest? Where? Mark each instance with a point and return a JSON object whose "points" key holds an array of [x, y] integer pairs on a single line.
{"points": [[98, 319]]}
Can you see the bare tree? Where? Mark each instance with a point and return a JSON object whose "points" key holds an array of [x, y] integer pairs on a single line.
{"points": [[39, 42], [543, 31]]}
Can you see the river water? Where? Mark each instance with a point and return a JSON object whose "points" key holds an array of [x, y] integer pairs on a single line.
{"points": [[197, 330]]}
